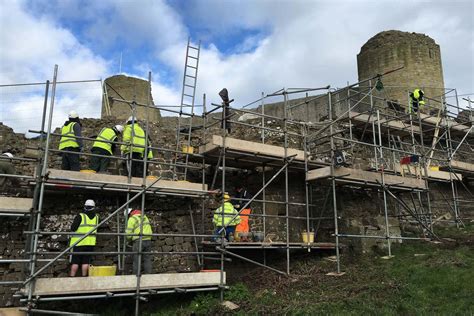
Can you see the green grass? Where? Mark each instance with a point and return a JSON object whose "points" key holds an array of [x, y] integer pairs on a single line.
{"points": [[422, 279]]}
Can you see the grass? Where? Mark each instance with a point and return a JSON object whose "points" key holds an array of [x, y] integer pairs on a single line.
{"points": [[422, 279]]}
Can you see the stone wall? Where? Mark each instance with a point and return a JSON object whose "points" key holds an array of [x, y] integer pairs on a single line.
{"points": [[418, 53], [130, 89]]}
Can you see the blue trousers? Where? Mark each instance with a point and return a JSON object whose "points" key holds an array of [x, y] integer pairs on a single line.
{"points": [[228, 230]]}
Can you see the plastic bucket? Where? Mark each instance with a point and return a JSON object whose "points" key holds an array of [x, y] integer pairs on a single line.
{"points": [[187, 149], [102, 270], [305, 235], [87, 171]]}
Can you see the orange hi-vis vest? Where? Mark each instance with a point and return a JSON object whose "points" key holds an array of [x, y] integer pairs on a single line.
{"points": [[244, 221]]}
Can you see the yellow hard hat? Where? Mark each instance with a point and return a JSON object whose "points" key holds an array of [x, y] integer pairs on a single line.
{"points": [[226, 197]]}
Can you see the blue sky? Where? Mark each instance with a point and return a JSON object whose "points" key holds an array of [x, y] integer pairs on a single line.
{"points": [[247, 46]]}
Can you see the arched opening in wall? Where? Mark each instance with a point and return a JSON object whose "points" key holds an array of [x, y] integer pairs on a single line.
{"points": [[431, 53]]}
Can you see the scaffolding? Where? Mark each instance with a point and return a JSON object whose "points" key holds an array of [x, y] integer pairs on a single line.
{"points": [[353, 112]]}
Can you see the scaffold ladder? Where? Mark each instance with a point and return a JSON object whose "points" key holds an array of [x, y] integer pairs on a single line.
{"points": [[188, 95]]}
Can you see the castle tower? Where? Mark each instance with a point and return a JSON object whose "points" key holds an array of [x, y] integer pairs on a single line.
{"points": [[418, 53], [127, 88]]}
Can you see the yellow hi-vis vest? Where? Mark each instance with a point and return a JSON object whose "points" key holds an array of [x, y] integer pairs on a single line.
{"points": [[133, 227], [137, 139], [68, 138], [86, 226], [106, 134], [228, 214]]}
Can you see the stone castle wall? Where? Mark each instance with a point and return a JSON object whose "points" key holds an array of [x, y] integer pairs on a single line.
{"points": [[418, 53]]}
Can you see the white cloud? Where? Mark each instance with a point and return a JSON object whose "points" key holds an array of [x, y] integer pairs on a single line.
{"points": [[290, 43]]}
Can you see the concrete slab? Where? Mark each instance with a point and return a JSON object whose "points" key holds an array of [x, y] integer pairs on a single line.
{"points": [[121, 283], [365, 176], [15, 205], [66, 176]]}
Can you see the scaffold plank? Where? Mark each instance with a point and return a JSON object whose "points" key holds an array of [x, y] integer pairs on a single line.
{"points": [[442, 121], [12, 311], [15, 204], [122, 283], [398, 125], [461, 165], [365, 176], [432, 174], [116, 180], [246, 146], [274, 244]]}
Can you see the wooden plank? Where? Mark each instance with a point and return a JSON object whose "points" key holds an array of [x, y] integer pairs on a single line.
{"points": [[395, 124], [461, 165], [433, 174], [276, 244], [165, 185], [443, 122], [245, 146], [11, 311], [365, 176], [120, 283], [15, 204]]}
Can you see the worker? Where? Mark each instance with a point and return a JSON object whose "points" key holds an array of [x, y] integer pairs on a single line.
{"points": [[133, 231], [241, 197], [134, 137], [71, 142], [83, 223], [227, 218], [416, 101], [6, 167], [225, 123], [103, 146], [149, 156]]}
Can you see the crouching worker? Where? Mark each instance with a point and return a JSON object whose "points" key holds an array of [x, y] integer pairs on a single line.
{"points": [[83, 223], [133, 231], [226, 217]]}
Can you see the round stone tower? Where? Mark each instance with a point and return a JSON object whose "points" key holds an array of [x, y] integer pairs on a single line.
{"points": [[121, 87], [418, 53]]}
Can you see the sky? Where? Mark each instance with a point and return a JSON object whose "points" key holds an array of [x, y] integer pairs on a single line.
{"points": [[247, 46]]}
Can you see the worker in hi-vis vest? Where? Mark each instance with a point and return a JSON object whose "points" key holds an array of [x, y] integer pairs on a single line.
{"points": [[225, 218], [105, 147], [134, 137], [83, 223], [71, 142], [416, 101], [134, 223]]}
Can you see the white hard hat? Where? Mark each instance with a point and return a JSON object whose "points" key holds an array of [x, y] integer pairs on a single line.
{"points": [[90, 203], [9, 155], [119, 128], [130, 118], [73, 114], [129, 210]]}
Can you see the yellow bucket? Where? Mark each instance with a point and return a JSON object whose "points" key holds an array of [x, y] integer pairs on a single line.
{"points": [[87, 171], [305, 235], [187, 149], [434, 168], [102, 270]]}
